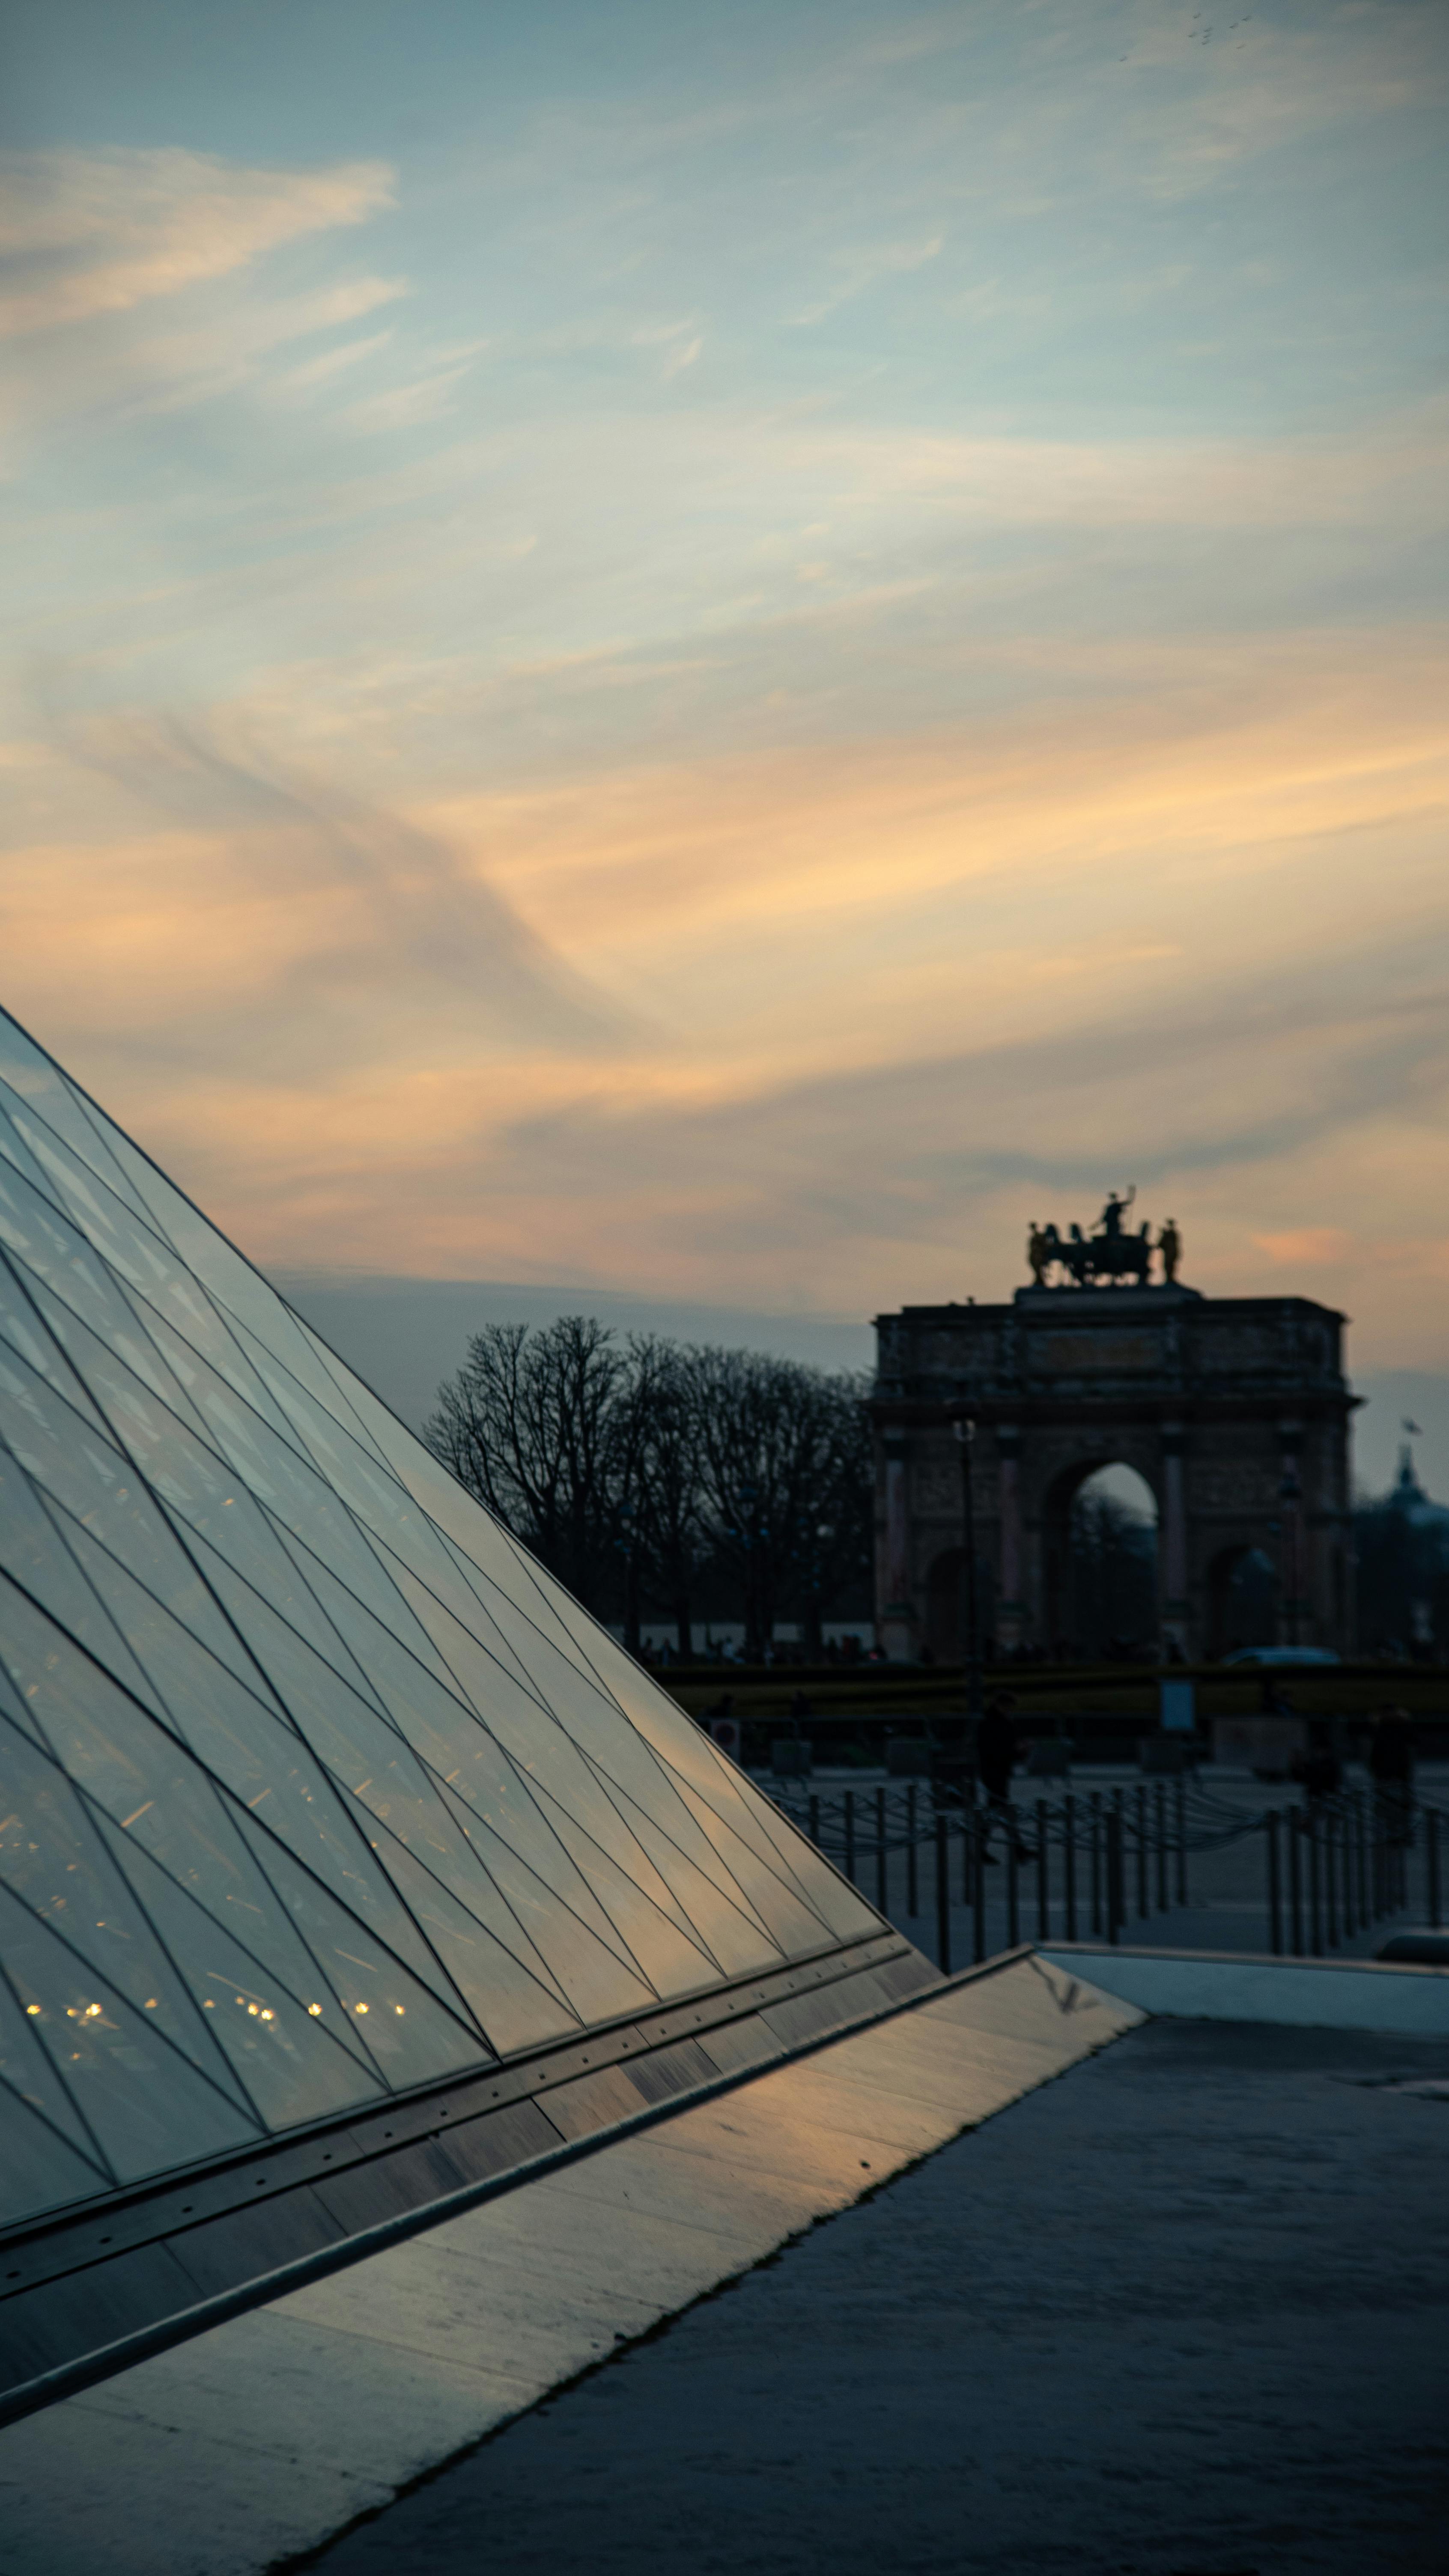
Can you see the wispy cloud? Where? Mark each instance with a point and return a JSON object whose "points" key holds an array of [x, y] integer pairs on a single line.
{"points": [[94, 233], [303, 924], [423, 398], [334, 362], [862, 269]]}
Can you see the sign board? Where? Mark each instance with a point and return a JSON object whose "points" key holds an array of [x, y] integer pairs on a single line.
{"points": [[1177, 1708]]}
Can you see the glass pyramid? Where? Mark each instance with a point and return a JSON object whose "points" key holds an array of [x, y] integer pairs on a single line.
{"points": [[313, 1784]]}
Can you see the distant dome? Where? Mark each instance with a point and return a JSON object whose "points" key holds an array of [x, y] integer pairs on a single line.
{"points": [[1407, 1497]]}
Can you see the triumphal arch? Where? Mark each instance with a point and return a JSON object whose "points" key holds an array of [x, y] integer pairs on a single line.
{"points": [[1234, 1410]]}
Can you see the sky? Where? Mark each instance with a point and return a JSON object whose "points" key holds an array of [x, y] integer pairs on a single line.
{"points": [[716, 655]]}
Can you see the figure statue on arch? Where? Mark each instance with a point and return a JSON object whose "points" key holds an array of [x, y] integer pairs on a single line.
{"points": [[1169, 1244]]}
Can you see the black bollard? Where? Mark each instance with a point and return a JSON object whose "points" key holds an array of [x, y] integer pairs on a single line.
{"points": [[977, 1828], [1330, 1877], [882, 1882], [1315, 1890], [1159, 1801], [1094, 1827], [1275, 1889], [1431, 1865], [1013, 1882], [1069, 1863], [1043, 1891], [943, 1897], [1140, 1802], [913, 1891], [1180, 1802], [815, 1819], [850, 1835]]}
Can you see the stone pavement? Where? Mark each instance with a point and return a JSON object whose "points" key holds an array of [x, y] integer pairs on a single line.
{"points": [[1182, 2313]]}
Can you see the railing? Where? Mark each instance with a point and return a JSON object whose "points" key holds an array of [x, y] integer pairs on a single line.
{"points": [[1330, 1868]]}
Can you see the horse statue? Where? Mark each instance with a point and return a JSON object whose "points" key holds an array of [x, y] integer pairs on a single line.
{"points": [[1109, 1254]]}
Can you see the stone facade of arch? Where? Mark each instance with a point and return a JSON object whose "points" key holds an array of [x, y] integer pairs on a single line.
{"points": [[1234, 1410]]}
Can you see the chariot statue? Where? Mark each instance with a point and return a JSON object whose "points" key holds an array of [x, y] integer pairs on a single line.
{"points": [[1108, 1256]]}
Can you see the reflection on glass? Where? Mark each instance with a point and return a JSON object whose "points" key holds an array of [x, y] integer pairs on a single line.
{"points": [[33, 1551], [287, 2057], [135, 1776], [52, 1860], [22, 1329]]}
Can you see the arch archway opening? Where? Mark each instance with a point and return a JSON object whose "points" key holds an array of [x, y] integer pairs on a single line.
{"points": [[1107, 1589], [944, 1639], [1242, 1600]]}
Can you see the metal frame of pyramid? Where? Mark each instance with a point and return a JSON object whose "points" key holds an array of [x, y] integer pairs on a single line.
{"points": [[348, 1868]]}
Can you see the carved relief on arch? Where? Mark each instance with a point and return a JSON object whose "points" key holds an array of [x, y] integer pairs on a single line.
{"points": [[1233, 1485]]}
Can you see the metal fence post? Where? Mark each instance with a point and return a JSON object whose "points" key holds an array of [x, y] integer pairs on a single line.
{"points": [[850, 1834], [882, 1882], [1140, 1821], [1116, 1893], [1181, 1804], [1431, 1865], [913, 1890], [815, 1818], [1069, 1863], [978, 1882], [943, 1896], [1275, 1888], [1013, 1881], [1330, 1877], [1315, 1891], [1043, 1891], [1159, 1802], [1295, 1885], [1094, 1828]]}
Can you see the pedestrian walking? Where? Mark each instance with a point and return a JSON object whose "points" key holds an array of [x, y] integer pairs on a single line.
{"points": [[995, 1762], [1320, 1771], [1391, 1766]]}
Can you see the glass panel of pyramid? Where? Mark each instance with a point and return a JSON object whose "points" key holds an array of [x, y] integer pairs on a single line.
{"points": [[314, 1785]]}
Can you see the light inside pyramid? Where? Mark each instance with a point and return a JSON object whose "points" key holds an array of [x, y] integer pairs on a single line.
{"points": [[314, 1785]]}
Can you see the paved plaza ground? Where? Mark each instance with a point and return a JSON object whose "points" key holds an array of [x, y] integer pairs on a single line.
{"points": [[1180, 2313]]}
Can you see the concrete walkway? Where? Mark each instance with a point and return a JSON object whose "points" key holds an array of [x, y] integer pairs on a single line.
{"points": [[1182, 2315], [263, 2437]]}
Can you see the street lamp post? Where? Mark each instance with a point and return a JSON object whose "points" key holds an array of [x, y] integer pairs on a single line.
{"points": [[755, 1642], [824, 1533], [1290, 1495], [629, 1545], [965, 1430]]}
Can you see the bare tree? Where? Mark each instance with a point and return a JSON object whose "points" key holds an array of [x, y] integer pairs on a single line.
{"points": [[1114, 1573], [639, 1470], [778, 1443], [672, 1527], [530, 1426]]}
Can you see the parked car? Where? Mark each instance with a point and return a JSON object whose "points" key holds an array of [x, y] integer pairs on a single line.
{"points": [[1283, 1655]]}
